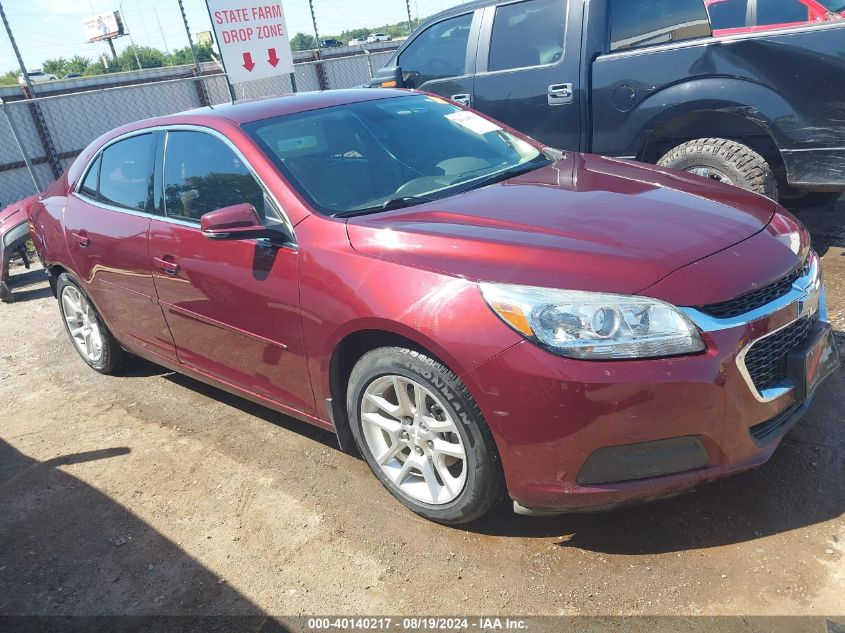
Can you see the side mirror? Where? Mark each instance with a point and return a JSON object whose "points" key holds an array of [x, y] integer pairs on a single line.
{"points": [[237, 222], [388, 77]]}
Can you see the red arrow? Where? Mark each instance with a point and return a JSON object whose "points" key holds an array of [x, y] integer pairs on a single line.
{"points": [[273, 59], [248, 63]]}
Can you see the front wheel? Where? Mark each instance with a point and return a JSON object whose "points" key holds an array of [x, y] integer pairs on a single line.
{"points": [[423, 435], [724, 161], [86, 328]]}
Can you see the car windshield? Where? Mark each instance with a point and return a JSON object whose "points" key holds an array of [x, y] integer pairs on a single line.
{"points": [[373, 155]]}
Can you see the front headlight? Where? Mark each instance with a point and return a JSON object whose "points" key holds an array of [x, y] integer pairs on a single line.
{"points": [[593, 325]]}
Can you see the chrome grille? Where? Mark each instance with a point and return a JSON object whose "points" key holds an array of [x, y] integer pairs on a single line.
{"points": [[766, 359], [757, 298]]}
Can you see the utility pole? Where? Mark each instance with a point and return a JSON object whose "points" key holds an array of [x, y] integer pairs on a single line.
{"points": [[410, 22], [17, 52], [314, 22], [191, 43], [161, 30], [129, 33]]}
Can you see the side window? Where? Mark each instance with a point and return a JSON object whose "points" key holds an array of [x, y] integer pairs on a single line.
{"points": [[635, 23], [728, 14], [126, 171], [202, 174], [781, 12], [92, 180], [527, 34], [438, 52]]}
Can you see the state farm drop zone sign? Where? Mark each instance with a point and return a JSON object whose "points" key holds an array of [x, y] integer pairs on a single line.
{"points": [[253, 38]]}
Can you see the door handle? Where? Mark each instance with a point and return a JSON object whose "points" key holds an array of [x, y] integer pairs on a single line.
{"points": [[560, 94], [463, 99], [168, 266], [81, 238]]}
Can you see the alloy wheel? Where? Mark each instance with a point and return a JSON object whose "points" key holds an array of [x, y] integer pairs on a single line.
{"points": [[82, 324], [413, 439], [711, 173]]}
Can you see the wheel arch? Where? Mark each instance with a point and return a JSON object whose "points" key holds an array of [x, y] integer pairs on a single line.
{"points": [[729, 108], [348, 351]]}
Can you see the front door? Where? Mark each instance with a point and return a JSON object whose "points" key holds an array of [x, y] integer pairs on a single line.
{"points": [[107, 223], [441, 59], [528, 69], [232, 305]]}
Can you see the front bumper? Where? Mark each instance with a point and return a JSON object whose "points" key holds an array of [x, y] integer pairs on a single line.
{"points": [[681, 421]]}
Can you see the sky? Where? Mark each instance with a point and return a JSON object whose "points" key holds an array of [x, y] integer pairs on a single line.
{"points": [[45, 29]]}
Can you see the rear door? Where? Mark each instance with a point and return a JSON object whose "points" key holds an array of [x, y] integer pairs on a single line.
{"points": [[441, 59], [232, 305], [528, 66], [107, 222]]}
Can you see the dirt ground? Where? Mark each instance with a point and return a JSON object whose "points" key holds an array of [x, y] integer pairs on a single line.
{"points": [[150, 493]]}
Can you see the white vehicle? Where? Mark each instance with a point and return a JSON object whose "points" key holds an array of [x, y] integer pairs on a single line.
{"points": [[378, 37], [36, 77], [357, 41]]}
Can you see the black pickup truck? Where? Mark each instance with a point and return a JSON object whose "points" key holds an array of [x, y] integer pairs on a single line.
{"points": [[647, 80]]}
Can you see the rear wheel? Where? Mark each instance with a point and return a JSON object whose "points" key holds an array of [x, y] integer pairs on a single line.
{"points": [[85, 327], [423, 436], [725, 161]]}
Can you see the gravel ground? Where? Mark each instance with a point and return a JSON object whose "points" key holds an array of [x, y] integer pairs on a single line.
{"points": [[150, 493]]}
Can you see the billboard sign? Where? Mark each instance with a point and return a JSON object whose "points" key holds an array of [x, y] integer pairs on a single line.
{"points": [[205, 38], [252, 37], [103, 27]]}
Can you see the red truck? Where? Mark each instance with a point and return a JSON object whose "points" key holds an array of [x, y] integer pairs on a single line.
{"points": [[730, 17]]}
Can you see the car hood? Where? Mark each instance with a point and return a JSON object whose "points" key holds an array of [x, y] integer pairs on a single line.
{"points": [[15, 213], [582, 223]]}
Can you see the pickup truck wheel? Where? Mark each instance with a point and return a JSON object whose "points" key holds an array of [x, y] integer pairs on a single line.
{"points": [[726, 161], [423, 435], [85, 327]]}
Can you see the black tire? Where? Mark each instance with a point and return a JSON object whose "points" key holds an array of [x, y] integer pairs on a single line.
{"points": [[112, 354], [737, 162], [485, 483]]}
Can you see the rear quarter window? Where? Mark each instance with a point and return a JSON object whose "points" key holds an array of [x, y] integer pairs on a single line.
{"points": [[636, 23]]}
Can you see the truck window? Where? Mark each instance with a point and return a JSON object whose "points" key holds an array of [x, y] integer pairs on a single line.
{"points": [[728, 14], [635, 23], [527, 34], [438, 52], [781, 12]]}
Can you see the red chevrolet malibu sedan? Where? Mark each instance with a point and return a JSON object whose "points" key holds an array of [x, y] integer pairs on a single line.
{"points": [[480, 315]]}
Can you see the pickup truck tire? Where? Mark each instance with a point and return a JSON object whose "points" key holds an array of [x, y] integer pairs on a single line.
{"points": [[88, 333], [423, 435], [726, 161]]}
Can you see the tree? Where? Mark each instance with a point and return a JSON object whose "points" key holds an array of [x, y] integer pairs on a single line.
{"points": [[183, 55], [61, 66], [303, 42], [9, 79], [55, 66], [148, 56]]}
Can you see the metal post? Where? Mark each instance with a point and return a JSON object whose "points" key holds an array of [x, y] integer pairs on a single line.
{"points": [[19, 143], [314, 22], [410, 22], [111, 46], [17, 52], [190, 42], [293, 81]]}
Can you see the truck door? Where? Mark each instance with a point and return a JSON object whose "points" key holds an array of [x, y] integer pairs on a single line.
{"points": [[441, 59], [528, 69]]}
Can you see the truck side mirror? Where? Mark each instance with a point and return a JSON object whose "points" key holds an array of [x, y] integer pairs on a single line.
{"points": [[388, 77]]}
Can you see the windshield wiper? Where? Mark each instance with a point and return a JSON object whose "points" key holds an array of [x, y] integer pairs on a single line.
{"points": [[505, 174], [391, 203]]}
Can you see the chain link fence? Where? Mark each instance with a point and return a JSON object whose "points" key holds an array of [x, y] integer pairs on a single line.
{"points": [[40, 138]]}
